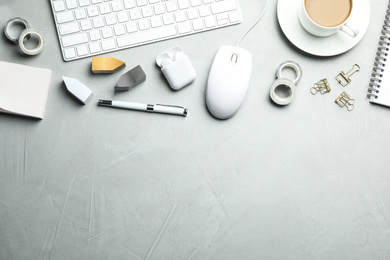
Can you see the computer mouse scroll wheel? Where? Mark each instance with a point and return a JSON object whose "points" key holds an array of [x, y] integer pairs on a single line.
{"points": [[234, 58]]}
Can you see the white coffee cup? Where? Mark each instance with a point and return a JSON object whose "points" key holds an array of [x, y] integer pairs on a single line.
{"points": [[322, 26]]}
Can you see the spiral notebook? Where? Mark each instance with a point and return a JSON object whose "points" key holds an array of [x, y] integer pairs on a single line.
{"points": [[379, 87]]}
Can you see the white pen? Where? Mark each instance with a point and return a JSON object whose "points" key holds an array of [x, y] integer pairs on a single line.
{"points": [[157, 108]]}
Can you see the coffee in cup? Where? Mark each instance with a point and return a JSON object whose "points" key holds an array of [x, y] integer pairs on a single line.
{"points": [[326, 17]]}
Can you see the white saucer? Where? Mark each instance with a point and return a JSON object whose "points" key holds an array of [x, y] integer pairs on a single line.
{"points": [[322, 46]]}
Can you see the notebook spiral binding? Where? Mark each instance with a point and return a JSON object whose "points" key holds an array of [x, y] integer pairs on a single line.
{"points": [[380, 59]]}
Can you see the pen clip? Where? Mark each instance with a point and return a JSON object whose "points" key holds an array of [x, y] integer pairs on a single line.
{"points": [[170, 106], [183, 111]]}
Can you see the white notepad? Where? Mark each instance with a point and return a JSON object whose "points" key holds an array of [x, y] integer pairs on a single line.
{"points": [[23, 89], [379, 86]]}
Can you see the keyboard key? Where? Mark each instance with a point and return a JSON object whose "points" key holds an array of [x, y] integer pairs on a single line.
{"points": [[210, 22], [98, 22], [196, 3], [225, 6], [146, 36], [69, 28], [183, 4], [159, 9], [94, 47], [58, 6], [94, 35], [135, 14], [117, 6], [82, 50], [222, 22], [221, 17], [110, 19], [147, 11], [168, 19], [171, 6], [104, 8], [131, 27], [142, 2], [180, 16], [204, 11], [69, 53], [155, 21], [119, 30], [65, 17], [80, 14], [108, 44], [143, 25], [192, 14], [86, 25], [107, 32], [83, 3], [198, 25], [92, 11], [184, 27], [123, 17], [74, 39], [129, 4], [71, 4]]}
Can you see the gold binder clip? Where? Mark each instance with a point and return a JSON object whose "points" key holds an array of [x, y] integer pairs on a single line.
{"points": [[344, 77], [321, 86], [345, 100]]}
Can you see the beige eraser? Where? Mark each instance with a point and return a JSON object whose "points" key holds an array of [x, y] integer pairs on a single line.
{"points": [[106, 65]]}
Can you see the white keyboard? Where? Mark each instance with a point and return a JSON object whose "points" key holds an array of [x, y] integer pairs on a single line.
{"points": [[91, 27]]}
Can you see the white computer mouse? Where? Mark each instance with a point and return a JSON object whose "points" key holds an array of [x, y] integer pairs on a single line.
{"points": [[228, 81]]}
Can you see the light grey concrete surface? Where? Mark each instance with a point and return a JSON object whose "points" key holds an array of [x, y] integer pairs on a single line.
{"points": [[306, 181]]}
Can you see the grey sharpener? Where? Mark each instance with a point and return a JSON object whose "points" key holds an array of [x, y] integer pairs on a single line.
{"points": [[130, 79]]}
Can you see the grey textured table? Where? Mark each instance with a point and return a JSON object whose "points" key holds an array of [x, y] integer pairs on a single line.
{"points": [[306, 181]]}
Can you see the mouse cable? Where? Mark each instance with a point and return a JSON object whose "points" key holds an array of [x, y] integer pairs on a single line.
{"points": [[253, 25]]}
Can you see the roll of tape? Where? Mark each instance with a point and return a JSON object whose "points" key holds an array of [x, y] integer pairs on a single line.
{"points": [[283, 100], [27, 33], [290, 64], [10, 23]]}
